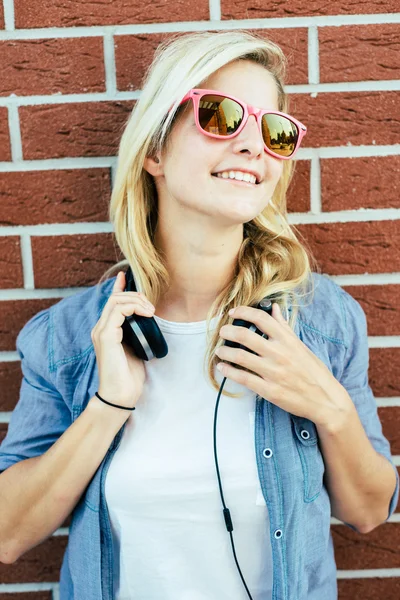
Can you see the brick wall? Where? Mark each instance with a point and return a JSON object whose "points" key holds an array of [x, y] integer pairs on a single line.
{"points": [[71, 72]]}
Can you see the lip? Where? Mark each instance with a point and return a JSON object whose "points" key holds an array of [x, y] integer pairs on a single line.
{"points": [[256, 175]]}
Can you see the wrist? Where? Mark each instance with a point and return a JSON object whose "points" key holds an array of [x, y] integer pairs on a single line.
{"points": [[115, 404], [335, 418], [105, 412]]}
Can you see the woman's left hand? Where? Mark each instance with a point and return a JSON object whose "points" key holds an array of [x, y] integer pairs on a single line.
{"points": [[285, 371]]}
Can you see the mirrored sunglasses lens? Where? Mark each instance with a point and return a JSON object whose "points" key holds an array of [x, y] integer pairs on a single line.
{"points": [[280, 134], [219, 115]]}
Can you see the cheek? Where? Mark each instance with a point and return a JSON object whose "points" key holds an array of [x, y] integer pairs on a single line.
{"points": [[188, 151], [275, 170], [184, 177], [192, 162]]}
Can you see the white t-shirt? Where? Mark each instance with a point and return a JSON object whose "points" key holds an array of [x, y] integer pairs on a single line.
{"points": [[169, 535]]}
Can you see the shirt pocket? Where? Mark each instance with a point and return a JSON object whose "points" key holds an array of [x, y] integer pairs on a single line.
{"points": [[312, 463]]}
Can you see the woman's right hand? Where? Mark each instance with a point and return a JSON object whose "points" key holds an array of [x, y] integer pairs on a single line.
{"points": [[121, 373]]}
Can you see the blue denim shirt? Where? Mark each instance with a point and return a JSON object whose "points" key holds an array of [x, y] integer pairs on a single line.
{"points": [[60, 376]]}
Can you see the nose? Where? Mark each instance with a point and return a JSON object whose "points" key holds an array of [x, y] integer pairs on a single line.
{"points": [[250, 138]]}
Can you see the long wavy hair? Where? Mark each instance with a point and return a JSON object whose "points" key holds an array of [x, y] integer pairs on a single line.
{"points": [[272, 261]]}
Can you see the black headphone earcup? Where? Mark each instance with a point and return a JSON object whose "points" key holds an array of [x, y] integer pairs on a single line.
{"points": [[144, 336], [266, 306], [140, 333]]}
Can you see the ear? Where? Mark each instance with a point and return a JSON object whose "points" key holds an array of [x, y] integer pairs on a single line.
{"points": [[152, 165]]}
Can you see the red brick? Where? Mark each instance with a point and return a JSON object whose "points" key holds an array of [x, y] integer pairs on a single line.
{"points": [[359, 52], [353, 183], [2, 27], [354, 247], [65, 13], [384, 370], [343, 119], [5, 148], [370, 588], [390, 418], [10, 264], [65, 196], [72, 260], [294, 43], [381, 304], [40, 564], [298, 196], [73, 129], [134, 53], [379, 549], [51, 66], [10, 382], [259, 9], [13, 316], [3, 431]]}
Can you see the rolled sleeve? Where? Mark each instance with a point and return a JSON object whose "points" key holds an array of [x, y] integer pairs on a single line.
{"points": [[40, 415], [355, 379]]}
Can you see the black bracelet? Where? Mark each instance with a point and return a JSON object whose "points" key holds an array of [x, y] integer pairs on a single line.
{"points": [[116, 405]]}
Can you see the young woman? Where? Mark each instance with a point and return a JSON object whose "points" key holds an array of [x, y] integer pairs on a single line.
{"points": [[199, 212]]}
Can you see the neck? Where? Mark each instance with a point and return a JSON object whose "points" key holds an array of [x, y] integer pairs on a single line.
{"points": [[198, 270]]}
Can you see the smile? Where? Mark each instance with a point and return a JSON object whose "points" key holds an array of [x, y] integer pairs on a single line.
{"points": [[236, 181]]}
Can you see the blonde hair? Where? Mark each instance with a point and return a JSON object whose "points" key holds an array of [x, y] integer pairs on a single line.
{"points": [[271, 260]]}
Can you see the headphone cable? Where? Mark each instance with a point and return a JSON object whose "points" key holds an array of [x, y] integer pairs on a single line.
{"points": [[227, 514]]}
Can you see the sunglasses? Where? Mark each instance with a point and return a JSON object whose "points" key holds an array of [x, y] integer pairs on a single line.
{"points": [[221, 116]]}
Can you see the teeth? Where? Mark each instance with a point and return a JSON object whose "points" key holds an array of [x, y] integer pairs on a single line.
{"points": [[238, 175]]}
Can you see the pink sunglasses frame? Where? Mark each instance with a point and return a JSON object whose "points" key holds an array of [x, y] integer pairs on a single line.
{"points": [[196, 93]]}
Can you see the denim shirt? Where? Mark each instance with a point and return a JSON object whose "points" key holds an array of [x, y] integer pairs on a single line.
{"points": [[60, 376]]}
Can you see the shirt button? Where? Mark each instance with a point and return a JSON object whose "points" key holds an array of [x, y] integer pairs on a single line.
{"points": [[304, 434], [278, 534], [267, 453]]}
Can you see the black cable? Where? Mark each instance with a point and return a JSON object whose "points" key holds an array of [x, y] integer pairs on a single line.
{"points": [[227, 514]]}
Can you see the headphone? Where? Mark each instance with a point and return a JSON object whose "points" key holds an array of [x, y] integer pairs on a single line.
{"points": [[144, 336]]}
